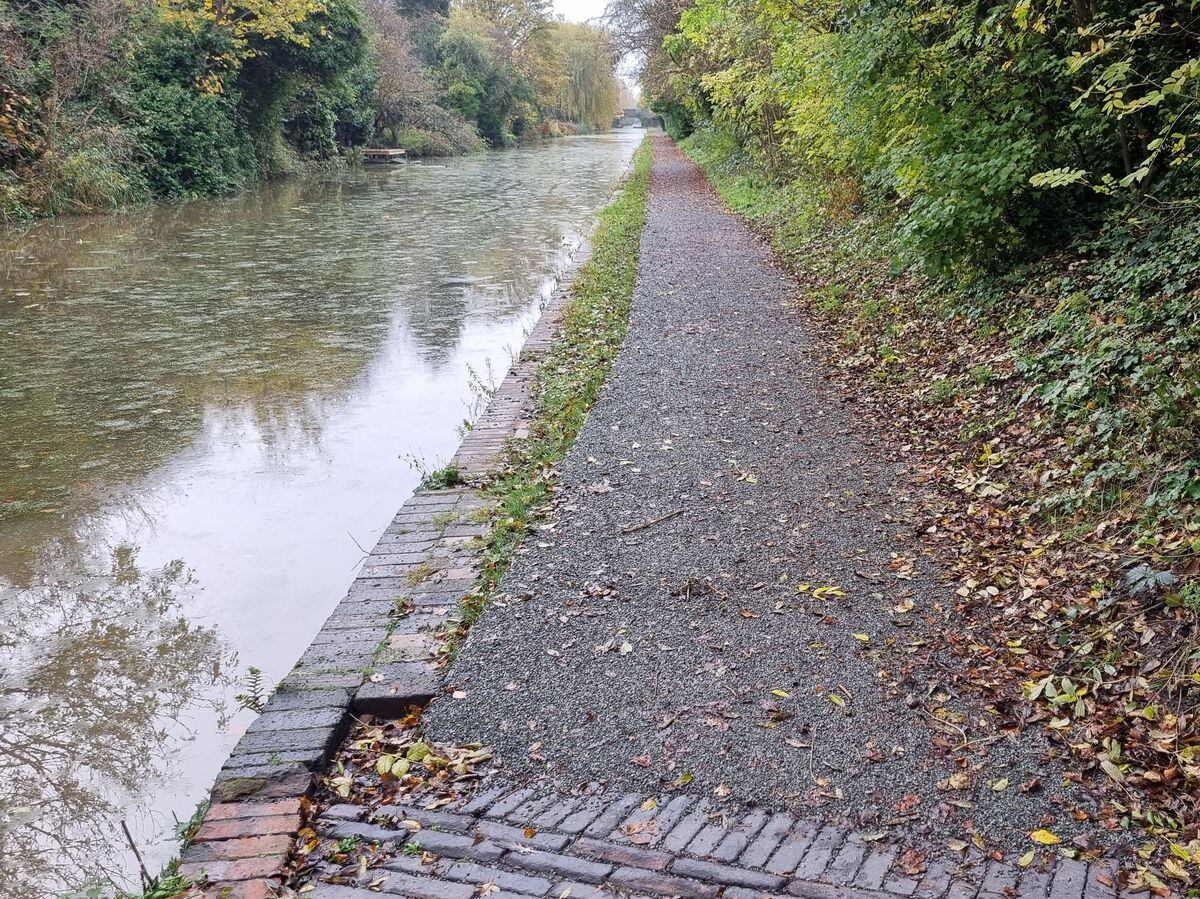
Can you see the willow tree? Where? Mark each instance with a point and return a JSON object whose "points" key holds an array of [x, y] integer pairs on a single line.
{"points": [[590, 93]]}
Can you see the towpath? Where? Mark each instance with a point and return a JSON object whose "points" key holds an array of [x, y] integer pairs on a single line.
{"points": [[709, 675]]}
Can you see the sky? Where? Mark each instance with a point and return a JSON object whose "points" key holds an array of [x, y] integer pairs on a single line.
{"points": [[579, 10], [591, 10]]}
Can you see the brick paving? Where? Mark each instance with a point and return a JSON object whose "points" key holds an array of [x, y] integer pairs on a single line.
{"points": [[514, 841]]}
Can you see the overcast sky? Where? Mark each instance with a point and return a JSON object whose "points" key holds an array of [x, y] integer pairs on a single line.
{"points": [[586, 10], [579, 10]]}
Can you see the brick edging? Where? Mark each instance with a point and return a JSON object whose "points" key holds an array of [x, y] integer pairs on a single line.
{"points": [[539, 843], [376, 653]]}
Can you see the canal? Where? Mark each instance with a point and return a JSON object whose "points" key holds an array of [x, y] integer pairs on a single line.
{"points": [[207, 413]]}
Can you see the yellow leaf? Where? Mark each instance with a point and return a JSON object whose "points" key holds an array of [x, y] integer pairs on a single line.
{"points": [[1001, 784], [836, 699], [862, 638], [1045, 837], [781, 693], [649, 804], [1026, 860]]}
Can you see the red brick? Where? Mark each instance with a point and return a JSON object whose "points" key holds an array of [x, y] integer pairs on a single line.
{"points": [[243, 889], [247, 827], [241, 869], [242, 847], [224, 810]]}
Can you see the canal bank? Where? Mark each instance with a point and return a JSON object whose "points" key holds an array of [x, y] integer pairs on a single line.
{"points": [[383, 650], [191, 390]]}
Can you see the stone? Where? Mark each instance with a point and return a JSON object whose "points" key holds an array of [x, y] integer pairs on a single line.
{"points": [[278, 784], [620, 854], [844, 865], [663, 884], [1070, 878], [584, 815], [320, 738], [739, 837], [824, 846], [372, 833], [506, 880], [510, 837], [875, 868], [561, 865], [428, 818], [419, 887], [726, 874], [453, 845], [399, 686], [687, 828], [296, 719]]}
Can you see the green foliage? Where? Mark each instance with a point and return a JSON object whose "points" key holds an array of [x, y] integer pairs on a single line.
{"points": [[441, 478], [108, 102], [998, 130], [1104, 338]]}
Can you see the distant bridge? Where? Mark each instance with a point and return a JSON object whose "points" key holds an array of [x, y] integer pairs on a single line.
{"points": [[638, 116]]}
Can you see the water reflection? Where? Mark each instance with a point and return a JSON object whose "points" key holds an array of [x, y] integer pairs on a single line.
{"points": [[235, 384], [98, 670]]}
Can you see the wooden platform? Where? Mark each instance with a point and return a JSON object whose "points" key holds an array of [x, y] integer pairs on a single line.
{"points": [[383, 155]]}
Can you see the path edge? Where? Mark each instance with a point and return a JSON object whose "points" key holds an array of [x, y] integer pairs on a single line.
{"points": [[377, 652]]}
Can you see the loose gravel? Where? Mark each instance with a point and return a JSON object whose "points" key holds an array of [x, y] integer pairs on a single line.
{"points": [[659, 635]]}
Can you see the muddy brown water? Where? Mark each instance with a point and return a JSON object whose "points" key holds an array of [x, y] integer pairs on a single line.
{"points": [[207, 411]]}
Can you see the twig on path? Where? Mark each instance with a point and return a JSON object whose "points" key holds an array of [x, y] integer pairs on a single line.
{"points": [[651, 522]]}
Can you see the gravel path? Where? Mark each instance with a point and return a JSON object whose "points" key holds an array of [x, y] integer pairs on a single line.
{"points": [[661, 631]]}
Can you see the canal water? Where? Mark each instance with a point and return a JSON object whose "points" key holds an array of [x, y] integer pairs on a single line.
{"points": [[207, 413]]}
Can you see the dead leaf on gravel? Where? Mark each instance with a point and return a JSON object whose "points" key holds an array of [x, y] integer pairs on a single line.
{"points": [[1045, 837], [959, 780], [912, 862]]}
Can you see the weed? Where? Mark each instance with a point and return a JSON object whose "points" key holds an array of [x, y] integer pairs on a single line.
{"points": [[1189, 597], [982, 374], [441, 520], [441, 478], [347, 844], [419, 574], [254, 696], [942, 391]]}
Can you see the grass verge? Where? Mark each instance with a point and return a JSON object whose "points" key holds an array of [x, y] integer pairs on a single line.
{"points": [[1052, 413], [567, 385]]}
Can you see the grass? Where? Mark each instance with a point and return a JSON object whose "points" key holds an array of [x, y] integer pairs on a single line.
{"points": [[567, 385], [419, 574]]}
